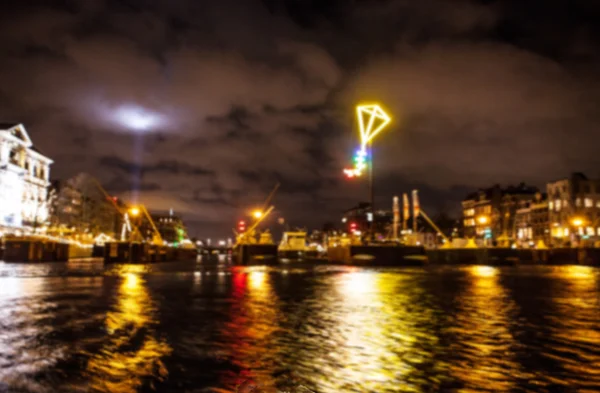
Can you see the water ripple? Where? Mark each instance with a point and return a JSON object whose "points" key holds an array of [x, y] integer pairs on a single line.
{"points": [[84, 327]]}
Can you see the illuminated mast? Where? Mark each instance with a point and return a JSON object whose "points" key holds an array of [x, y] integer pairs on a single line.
{"points": [[396, 208], [371, 121]]}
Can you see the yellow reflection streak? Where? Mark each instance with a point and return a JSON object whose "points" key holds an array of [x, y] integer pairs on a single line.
{"points": [[575, 329], [483, 325], [132, 352], [370, 342]]}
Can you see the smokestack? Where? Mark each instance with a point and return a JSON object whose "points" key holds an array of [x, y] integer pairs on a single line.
{"points": [[406, 211], [396, 217], [416, 209]]}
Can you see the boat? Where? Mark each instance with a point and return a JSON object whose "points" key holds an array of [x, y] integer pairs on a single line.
{"points": [[250, 251], [293, 245]]}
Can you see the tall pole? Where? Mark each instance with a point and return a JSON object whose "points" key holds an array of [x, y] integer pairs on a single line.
{"points": [[396, 209], [372, 191]]}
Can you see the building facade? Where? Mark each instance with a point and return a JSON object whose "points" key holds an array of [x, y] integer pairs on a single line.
{"points": [[24, 181], [170, 227], [574, 210], [80, 206], [532, 224], [491, 214], [66, 205], [359, 218]]}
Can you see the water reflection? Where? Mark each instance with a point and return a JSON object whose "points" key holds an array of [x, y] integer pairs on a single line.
{"points": [[250, 334], [23, 352], [132, 355], [368, 332], [329, 329], [482, 334], [574, 329]]}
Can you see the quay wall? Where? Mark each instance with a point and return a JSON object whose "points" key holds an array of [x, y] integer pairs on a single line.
{"points": [[377, 255], [510, 256]]}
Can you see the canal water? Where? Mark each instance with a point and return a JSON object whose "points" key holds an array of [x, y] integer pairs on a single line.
{"points": [[193, 327]]}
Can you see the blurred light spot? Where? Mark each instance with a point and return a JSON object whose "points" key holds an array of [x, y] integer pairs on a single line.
{"points": [[138, 118]]}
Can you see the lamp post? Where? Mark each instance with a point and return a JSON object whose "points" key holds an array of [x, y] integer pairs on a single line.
{"points": [[484, 220], [578, 223], [371, 121]]}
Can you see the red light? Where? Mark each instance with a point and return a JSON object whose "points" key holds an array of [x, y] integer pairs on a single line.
{"points": [[353, 225]]}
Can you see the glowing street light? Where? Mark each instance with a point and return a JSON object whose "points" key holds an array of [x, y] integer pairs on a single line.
{"points": [[577, 221], [257, 214], [134, 211], [483, 220]]}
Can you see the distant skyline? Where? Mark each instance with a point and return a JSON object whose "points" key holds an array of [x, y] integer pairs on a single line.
{"points": [[202, 106]]}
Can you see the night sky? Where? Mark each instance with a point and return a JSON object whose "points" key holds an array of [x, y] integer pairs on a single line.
{"points": [[202, 106]]}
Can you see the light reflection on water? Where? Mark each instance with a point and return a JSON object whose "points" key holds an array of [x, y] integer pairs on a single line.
{"points": [[187, 328], [482, 333], [132, 352]]}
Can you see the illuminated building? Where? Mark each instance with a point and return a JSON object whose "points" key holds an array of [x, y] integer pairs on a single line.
{"points": [[24, 174], [66, 205], [531, 222], [78, 205], [574, 209], [171, 228], [489, 214], [359, 218]]}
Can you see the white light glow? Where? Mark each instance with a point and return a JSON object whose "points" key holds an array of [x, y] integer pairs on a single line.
{"points": [[138, 118]]}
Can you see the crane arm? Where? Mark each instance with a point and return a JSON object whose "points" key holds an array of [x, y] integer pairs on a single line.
{"points": [[122, 212], [426, 217], [270, 197]]}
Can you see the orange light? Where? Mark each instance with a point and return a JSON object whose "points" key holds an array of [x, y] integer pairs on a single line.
{"points": [[577, 221]]}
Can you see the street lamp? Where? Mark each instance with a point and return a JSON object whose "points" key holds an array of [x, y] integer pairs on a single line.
{"points": [[484, 220], [372, 119], [577, 222], [134, 211], [257, 214]]}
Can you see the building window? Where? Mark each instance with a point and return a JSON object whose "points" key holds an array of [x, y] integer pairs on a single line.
{"points": [[588, 202], [551, 205], [558, 204], [566, 231], [565, 203], [590, 231], [578, 202]]}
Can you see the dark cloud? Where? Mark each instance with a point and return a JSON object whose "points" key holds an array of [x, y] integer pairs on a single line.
{"points": [[202, 106]]}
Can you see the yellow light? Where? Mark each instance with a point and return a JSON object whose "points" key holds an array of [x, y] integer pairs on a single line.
{"points": [[482, 219], [577, 222], [257, 214], [134, 211], [371, 121], [367, 114], [484, 271]]}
